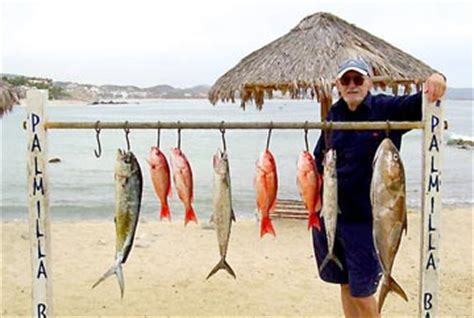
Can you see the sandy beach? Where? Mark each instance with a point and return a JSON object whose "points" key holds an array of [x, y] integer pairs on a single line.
{"points": [[165, 273]]}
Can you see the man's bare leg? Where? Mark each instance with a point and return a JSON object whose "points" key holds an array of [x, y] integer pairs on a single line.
{"points": [[348, 305]]}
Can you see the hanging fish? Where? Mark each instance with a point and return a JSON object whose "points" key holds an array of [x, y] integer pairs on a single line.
{"points": [[128, 198], [183, 181], [330, 208], [223, 214], [309, 186], [266, 187], [387, 194], [161, 179]]}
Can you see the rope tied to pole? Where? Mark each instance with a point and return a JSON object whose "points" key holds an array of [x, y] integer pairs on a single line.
{"points": [[327, 134], [387, 130]]}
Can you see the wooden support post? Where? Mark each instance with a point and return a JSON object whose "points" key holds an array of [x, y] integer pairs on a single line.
{"points": [[38, 204], [431, 208]]}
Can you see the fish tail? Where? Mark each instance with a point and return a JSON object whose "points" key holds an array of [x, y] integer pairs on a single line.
{"points": [[190, 215], [266, 226], [313, 220], [117, 270], [331, 257], [165, 212], [222, 265], [389, 284]]}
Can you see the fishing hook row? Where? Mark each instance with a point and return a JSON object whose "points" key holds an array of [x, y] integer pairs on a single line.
{"points": [[98, 151]]}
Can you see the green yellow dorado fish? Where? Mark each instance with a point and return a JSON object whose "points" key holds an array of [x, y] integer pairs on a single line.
{"points": [[128, 197]]}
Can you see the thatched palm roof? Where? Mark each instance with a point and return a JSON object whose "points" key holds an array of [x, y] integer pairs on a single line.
{"points": [[8, 98], [306, 59]]}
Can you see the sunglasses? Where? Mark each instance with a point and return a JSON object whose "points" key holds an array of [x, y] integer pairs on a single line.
{"points": [[358, 80]]}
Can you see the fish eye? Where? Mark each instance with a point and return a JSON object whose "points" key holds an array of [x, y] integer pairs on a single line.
{"points": [[395, 156]]}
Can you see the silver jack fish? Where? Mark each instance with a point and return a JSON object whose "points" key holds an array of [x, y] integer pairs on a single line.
{"points": [[387, 194], [330, 206], [128, 197], [223, 215]]}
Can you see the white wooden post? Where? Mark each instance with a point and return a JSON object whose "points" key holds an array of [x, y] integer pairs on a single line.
{"points": [[38, 204], [431, 207]]}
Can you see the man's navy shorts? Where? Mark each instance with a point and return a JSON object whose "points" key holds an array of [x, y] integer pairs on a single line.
{"points": [[354, 247]]}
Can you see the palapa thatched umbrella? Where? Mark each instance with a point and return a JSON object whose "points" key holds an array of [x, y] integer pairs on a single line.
{"points": [[305, 61], [8, 98]]}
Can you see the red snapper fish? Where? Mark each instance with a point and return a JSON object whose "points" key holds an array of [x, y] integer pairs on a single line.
{"points": [[309, 183], [161, 179], [183, 181], [266, 187]]}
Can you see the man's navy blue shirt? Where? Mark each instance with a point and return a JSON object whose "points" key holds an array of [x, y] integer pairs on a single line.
{"points": [[355, 149]]}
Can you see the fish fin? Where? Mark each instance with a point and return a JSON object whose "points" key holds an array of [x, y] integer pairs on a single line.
{"points": [[165, 212], [117, 270], [149, 162], [232, 215], [190, 215], [211, 220], [390, 285], [266, 227], [313, 220], [331, 257], [222, 265]]}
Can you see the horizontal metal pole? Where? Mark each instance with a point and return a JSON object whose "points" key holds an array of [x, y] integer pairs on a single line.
{"points": [[365, 125]]}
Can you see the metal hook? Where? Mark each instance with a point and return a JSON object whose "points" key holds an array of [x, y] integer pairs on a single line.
{"points": [[387, 130], [222, 130], [306, 135], [269, 134], [179, 136], [97, 152], [158, 136], [127, 132]]}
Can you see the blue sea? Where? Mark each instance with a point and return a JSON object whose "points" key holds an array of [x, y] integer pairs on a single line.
{"points": [[82, 186]]}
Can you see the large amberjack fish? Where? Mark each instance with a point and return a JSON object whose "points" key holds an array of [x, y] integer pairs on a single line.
{"points": [[183, 181], [387, 194], [128, 198], [309, 183], [330, 208], [266, 187], [161, 179], [223, 214]]}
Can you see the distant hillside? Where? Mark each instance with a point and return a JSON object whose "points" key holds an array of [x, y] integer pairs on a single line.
{"points": [[90, 93], [460, 93]]}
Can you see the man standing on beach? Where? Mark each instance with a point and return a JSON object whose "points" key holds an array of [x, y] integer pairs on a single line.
{"points": [[354, 245]]}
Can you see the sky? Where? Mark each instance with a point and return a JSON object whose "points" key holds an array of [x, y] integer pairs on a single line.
{"points": [[185, 43]]}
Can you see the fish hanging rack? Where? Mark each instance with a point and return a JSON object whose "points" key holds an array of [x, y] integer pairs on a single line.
{"points": [[324, 125], [37, 127]]}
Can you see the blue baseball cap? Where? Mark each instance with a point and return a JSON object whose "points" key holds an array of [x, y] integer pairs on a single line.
{"points": [[353, 65]]}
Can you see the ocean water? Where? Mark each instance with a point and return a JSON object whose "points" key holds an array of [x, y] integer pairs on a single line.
{"points": [[82, 186]]}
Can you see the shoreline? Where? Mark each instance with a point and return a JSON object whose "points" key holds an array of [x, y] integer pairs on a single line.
{"points": [[165, 274]]}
